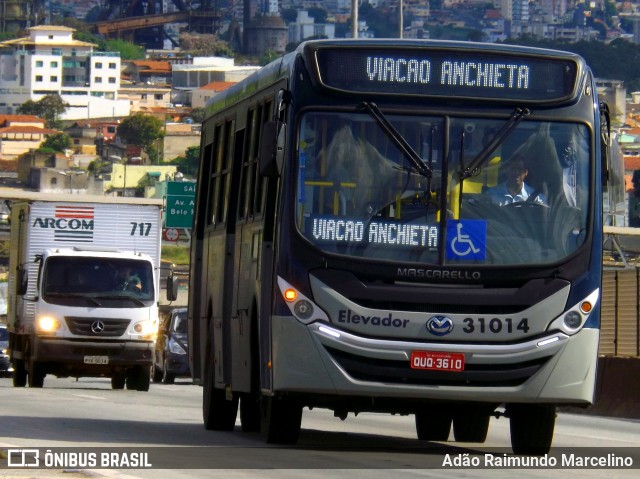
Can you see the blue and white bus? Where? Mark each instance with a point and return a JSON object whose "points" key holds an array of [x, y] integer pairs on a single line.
{"points": [[363, 240]]}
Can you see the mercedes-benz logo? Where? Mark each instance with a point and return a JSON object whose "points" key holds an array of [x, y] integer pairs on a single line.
{"points": [[97, 327]]}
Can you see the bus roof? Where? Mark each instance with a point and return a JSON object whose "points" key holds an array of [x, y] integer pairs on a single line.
{"points": [[333, 64]]}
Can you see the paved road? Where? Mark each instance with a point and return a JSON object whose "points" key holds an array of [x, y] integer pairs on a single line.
{"points": [[88, 414]]}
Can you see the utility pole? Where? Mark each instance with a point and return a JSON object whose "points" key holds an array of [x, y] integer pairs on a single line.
{"points": [[354, 18], [401, 17]]}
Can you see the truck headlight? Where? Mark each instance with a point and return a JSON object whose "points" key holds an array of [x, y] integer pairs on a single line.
{"points": [[47, 324], [145, 328]]}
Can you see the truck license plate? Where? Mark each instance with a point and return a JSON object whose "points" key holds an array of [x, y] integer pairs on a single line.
{"points": [[96, 359], [437, 361]]}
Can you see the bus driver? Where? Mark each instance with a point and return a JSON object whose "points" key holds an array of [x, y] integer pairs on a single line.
{"points": [[514, 189]]}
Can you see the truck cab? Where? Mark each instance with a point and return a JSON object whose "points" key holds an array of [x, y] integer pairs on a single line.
{"points": [[82, 298]]}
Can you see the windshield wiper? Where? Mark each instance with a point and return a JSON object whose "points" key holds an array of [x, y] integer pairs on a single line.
{"points": [[395, 136], [74, 295], [121, 296], [516, 117]]}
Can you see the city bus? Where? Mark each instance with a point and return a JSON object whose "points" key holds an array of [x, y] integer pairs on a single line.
{"points": [[363, 240]]}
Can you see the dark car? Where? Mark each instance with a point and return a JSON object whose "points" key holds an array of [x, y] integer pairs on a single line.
{"points": [[171, 358], [5, 363]]}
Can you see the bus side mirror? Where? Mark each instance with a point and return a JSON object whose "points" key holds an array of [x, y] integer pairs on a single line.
{"points": [[272, 148], [172, 287], [23, 281]]}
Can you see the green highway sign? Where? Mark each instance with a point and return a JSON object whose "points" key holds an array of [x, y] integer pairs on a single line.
{"points": [[181, 188], [181, 198]]}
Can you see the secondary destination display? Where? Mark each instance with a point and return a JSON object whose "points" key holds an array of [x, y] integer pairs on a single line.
{"points": [[422, 71], [369, 232]]}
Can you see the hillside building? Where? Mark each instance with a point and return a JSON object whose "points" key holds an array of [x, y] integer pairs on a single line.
{"points": [[51, 61]]}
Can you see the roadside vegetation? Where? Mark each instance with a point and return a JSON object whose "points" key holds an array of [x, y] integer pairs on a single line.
{"points": [[177, 254]]}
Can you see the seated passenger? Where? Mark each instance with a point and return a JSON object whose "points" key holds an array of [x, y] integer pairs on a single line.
{"points": [[514, 189]]}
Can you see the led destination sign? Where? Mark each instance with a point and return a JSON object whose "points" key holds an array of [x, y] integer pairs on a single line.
{"points": [[447, 73], [372, 232]]}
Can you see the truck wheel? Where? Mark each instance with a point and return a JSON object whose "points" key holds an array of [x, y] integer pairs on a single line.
{"points": [[219, 414], [36, 375], [281, 418], [139, 378], [434, 425], [156, 374], [531, 427], [167, 377], [19, 373], [118, 380]]}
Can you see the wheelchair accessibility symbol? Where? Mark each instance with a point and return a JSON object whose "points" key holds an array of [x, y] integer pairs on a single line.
{"points": [[466, 239]]}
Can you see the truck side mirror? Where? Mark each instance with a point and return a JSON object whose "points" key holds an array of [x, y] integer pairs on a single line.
{"points": [[172, 287], [272, 148], [23, 281]]}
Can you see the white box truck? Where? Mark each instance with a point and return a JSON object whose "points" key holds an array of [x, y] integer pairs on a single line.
{"points": [[84, 289]]}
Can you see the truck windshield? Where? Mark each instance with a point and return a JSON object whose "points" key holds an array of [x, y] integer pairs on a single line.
{"points": [[97, 278], [359, 195]]}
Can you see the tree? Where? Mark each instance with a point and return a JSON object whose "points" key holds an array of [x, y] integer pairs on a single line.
{"points": [[188, 164], [318, 14], [383, 23], [198, 114], [49, 108], [618, 60], [204, 45], [128, 50], [57, 142], [289, 15], [267, 57], [142, 130]]}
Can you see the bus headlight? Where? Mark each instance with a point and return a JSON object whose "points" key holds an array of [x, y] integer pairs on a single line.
{"points": [[47, 324], [301, 307], [572, 320]]}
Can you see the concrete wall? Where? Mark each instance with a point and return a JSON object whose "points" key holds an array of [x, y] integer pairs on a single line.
{"points": [[617, 389]]}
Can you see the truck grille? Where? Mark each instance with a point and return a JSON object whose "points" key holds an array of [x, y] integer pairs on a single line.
{"points": [[103, 327]]}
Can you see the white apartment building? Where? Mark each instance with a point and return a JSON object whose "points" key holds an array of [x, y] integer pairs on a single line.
{"points": [[305, 27], [50, 61], [204, 70]]}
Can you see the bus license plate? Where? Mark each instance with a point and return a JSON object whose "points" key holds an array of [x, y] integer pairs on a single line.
{"points": [[436, 361], [96, 359]]}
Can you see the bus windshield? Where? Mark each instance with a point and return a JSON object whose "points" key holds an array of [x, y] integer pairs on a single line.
{"points": [[524, 203]]}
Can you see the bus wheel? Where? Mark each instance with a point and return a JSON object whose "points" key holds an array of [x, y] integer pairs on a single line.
{"points": [[434, 425], [250, 413], [219, 414], [36, 375], [471, 425], [19, 373], [531, 427], [281, 418]]}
